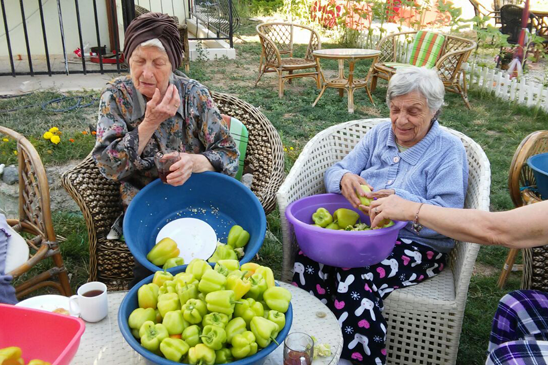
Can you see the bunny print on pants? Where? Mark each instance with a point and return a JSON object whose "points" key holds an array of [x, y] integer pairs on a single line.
{"points": [[356, 295]]}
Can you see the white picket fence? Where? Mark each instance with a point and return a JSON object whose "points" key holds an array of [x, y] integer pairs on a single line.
{"points": [[526, 92]]}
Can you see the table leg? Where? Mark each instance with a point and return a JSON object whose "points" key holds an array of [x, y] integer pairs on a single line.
{"points": [[350, 86], [341, 75], [319, 96]]}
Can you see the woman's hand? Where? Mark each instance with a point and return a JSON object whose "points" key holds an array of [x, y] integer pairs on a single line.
{"points": [[374, 195], [350, 187], [181, 170], [392, 207], [159, 109]]}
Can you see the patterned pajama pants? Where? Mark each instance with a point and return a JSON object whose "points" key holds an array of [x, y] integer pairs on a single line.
{"points": [[520, 326], [356, 295]]}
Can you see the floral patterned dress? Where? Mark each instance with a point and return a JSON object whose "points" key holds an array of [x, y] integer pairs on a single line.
{"points": [[197, 127]]}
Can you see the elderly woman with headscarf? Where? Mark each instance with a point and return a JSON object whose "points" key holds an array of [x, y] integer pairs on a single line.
{"points": [[153, 109], [412, 157]]}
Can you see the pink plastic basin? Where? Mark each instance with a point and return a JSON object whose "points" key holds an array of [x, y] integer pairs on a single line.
{"points": [[41, 335], [339, 248]]}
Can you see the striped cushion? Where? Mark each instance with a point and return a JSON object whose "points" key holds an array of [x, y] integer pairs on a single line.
{"points": [[426, 49], [238, 131]]}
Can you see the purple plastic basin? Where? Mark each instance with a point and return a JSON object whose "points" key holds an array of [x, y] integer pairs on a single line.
{"points": [[339, 248]]}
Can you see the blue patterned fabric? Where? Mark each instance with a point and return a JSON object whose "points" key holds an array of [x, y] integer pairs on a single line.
{"points": [[7, 291]]}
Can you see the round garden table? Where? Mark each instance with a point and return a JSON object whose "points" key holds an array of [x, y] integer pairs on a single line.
{"points": [[103, 343], [341, 82]]}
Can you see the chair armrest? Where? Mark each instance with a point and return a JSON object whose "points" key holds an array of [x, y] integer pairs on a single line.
{"points": [[314, 44], [98, 198], [450, 64], [270, 52], [389, 46]]}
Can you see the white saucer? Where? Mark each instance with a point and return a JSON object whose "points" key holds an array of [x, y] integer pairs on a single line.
{"points": [[47, 303], [195, 238]]}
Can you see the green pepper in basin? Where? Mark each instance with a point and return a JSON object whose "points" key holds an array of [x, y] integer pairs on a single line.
{"points": [[234, 327], [332, 225], [277, 298], [160, 277], [201, 354], [168, 302], [212, 281], [152, 335], [223, 356], [147, 296], [248, 308], [345, 217], [174, 349], [244, 345], [213, 337], [258, 287], [138, 317], [267, 274], [223, 252], [174, 322], [276, 317], [191, 335], [221, 301], [237, 237], [264, 330], [231, 265], [322, 217], [173, 262], [238, 283], [162, 251], [215, 319], [198, 267], [194, 311]]}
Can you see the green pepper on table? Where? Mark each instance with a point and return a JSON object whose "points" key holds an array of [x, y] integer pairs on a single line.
{"points": [[322, 217], [174, 349], [213, 337]]}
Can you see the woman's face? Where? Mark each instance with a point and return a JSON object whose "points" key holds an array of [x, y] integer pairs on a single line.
{"points": [[150, 69], [410, 118]]}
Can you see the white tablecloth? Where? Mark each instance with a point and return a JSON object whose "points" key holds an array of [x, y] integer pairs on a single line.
{"points": [[103, 343]]}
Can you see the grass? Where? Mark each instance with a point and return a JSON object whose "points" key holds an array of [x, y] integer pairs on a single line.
{"points": [[496, 125]]}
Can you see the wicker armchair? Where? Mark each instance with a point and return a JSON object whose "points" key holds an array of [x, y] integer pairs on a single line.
{"points": [[183, 33], [425, 320], [455, 51], [99, 198], [520, 176], [36, 222], [277, 40]]}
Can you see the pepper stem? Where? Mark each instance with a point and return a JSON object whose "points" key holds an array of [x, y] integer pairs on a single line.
{"points": [[276, 342]]}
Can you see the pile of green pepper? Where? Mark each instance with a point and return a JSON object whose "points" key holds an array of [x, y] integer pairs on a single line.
{"points": [[210, 315], [344, 220]]}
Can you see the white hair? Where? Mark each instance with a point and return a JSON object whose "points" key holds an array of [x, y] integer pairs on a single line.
{"points": [[154, 42], [425, 81]]}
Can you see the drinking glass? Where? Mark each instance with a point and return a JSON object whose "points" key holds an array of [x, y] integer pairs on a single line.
{"points": [[298, 349], [164, 161]]}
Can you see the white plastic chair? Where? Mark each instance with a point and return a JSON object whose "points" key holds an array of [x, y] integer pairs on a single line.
{"points": [[425, 320]]}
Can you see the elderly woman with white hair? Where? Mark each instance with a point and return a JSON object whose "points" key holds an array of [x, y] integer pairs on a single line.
{"points": [[153, 109], [412, 157]]}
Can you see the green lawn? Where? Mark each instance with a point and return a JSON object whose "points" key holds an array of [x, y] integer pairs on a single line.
{"points": [[496, 125]]}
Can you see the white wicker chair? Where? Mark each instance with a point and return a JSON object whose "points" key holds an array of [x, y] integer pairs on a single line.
{"points": [[425, 320]]}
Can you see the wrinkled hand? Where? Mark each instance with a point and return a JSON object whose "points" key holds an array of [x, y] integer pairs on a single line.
{"points": [[181, 170], [392, 207], [374, 195], [350, 185], [159, 109]]}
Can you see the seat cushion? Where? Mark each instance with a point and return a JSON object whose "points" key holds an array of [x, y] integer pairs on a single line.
{"points": [[18, 251], [426, 49]]}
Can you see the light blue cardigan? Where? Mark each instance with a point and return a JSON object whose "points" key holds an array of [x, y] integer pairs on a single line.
{"points": [[434, 171]]}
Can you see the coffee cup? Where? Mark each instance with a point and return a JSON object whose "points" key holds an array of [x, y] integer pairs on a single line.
{"points": [[91, 302]]}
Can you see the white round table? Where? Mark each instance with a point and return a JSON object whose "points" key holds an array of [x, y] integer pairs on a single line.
{"points": [[103, 343]]}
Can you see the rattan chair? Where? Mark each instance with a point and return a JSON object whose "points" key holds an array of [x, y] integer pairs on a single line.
{"points": [[425, 320], [277, 41], [100, 202], [520, 177], [35, 224], [455, 51], [183, 33]]}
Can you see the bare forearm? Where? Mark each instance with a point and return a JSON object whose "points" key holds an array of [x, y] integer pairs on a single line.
{"points": [[518, 228], [145, 132], [201, 164]]}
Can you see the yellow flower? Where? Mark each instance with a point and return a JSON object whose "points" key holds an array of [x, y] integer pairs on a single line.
{"points": [[5, 140], [291, 148], [55, 139], [285, 149], [48, 135], [15, 153], [54, 129]]}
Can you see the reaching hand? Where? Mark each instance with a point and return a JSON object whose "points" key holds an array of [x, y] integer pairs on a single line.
{"points": [[350, 186], [159, 109], [181, 170], [392, 207]]}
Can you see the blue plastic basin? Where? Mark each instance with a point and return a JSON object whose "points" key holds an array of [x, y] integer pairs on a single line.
{"points": [[220, 200], [539, 165], [130, 303]]}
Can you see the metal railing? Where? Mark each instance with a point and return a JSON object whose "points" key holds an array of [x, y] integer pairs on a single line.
{"points": [[218, 16]]}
